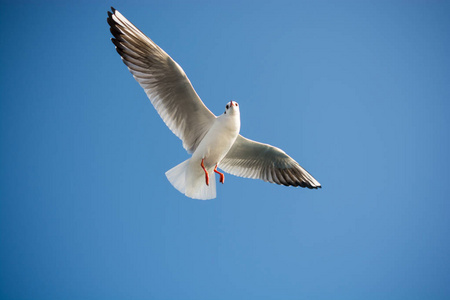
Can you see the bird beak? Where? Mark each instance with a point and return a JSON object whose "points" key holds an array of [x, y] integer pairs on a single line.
{"points": [[231, 103]]}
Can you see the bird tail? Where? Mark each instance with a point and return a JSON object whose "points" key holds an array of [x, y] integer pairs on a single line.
{"points": [[189, 179]]}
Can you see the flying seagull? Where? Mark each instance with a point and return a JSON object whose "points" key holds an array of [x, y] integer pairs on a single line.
{"points": [[213, 141]]}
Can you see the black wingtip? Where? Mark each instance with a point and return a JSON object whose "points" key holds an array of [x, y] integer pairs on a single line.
{"points": [[113, 10], [111, 22]]}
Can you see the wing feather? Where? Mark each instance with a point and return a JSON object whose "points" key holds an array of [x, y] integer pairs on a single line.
{"points": [[163, 80], [251, 159]]}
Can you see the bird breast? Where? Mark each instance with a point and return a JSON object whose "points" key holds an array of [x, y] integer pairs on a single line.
{"points": [[218, 141]]}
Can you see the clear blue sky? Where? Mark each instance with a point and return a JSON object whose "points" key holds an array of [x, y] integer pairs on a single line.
{"points": [[357, 91]]}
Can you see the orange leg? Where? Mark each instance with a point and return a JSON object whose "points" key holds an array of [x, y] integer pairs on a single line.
{"points": [[222, 177], [206, 173]]}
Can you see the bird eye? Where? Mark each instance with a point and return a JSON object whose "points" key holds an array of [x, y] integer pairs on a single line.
{"points": [[237, 104], [227, 106]]}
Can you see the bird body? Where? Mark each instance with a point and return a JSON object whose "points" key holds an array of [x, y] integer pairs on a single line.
{"points": [[213, 141], [220, 137], [188, 177]]}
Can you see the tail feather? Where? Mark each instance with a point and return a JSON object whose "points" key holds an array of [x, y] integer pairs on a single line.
{"points": [[189, 178], [177, 176]]}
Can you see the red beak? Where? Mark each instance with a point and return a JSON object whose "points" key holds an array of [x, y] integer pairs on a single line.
{"points": [[231, 103]]}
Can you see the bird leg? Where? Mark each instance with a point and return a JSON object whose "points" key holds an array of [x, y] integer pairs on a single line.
{"points": [[222, 177], [206, 172]]}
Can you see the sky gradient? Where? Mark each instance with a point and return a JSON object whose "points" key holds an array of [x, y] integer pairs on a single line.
{"points": [[356, 91]]}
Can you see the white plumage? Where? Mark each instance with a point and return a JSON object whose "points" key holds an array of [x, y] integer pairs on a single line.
{"points": [[213, 141]]}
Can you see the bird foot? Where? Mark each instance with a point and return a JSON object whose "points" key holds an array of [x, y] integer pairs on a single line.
{"points": [[222, 177], [206, 173]]}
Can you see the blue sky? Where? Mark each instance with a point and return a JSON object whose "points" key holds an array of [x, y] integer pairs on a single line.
{"points": [[356, 91]]}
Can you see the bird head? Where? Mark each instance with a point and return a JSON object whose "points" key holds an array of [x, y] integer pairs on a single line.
{"points": [[232, 107]]}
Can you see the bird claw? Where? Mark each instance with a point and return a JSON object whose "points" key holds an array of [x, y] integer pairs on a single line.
{"points": [[206, 173], [222, 177]]}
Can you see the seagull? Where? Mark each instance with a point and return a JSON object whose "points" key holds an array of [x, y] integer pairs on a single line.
{"points": [[213, 141]]}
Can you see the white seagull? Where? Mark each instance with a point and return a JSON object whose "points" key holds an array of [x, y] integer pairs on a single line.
{"points": [[213, 141]]}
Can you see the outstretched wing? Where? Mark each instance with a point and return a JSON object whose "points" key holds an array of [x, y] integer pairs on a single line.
{"points": [[251, 159], [164, 82]]}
